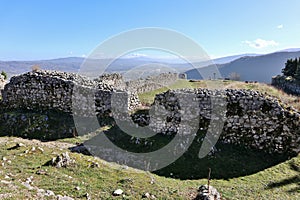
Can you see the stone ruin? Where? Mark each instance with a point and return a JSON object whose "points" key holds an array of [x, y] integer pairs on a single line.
{"points": [[251, 118], [139, 85], [39, 104], [44, 96], [53, 90], [286, 84]]}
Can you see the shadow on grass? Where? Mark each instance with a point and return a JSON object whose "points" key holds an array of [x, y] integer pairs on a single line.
{"points": [[228, 161], [293, 180]]}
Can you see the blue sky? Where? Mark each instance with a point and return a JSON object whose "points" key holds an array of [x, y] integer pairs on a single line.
{"points": [[35, 29]]}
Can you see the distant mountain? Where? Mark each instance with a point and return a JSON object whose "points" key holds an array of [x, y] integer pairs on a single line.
{"points": [[184, 66], [12, 68], [249, 66], [228, 59], [290, 50], [72, 64], [257, 68]]}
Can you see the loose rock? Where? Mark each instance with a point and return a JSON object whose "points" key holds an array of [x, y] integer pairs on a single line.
{"points": [[62, 160], [205, 194], [118, 192]]}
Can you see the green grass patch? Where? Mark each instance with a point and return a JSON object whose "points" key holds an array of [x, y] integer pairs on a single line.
{"points": [[147, 98], [280, 181]]}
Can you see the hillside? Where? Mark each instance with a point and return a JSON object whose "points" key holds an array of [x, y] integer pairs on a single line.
{"points": [[12, 68], [92, 178], [256, 68]]}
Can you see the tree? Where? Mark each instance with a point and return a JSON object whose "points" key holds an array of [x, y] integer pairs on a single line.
{"points": [[290, 67], [297, 73], [4, 74]]}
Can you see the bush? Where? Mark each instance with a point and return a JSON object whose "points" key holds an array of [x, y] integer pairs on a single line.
{"points": [[35, 68], [4, 74]]}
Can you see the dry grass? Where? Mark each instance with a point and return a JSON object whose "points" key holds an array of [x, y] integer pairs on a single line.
{"points": [[290, 100], [269, 90]]}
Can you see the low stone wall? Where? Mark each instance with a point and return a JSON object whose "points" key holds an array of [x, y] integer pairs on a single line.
{"points": [[114, 79], [43, 89], [151, 83], [139, 85], [41, 104], [252, 119], [41, 93], [48, 90], [43, 125], [286, 84]]}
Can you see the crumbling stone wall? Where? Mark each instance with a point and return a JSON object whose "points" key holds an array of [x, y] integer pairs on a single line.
{"points": [[48, 90], [114, 79], [151, 83], [41, 104], [252, 119], [140, 85], [43, 92], [286, 84], [46, 125]]}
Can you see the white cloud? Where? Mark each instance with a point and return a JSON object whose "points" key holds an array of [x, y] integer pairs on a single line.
{"points": [[260, 43], [280, 26]]}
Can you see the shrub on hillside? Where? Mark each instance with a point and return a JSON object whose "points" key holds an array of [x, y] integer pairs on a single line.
{"points": [[35, 68], [4, 74]]}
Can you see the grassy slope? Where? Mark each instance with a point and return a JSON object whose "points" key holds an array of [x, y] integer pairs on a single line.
{"points": [[278, 182]]}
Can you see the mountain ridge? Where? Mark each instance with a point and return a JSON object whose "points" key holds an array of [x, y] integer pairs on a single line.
{"points": [[251, 68], [259, 67]]}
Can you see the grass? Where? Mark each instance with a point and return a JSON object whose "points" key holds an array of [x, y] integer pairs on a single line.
{"points": [[147, 98], [278, 182], [268, 90]]}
